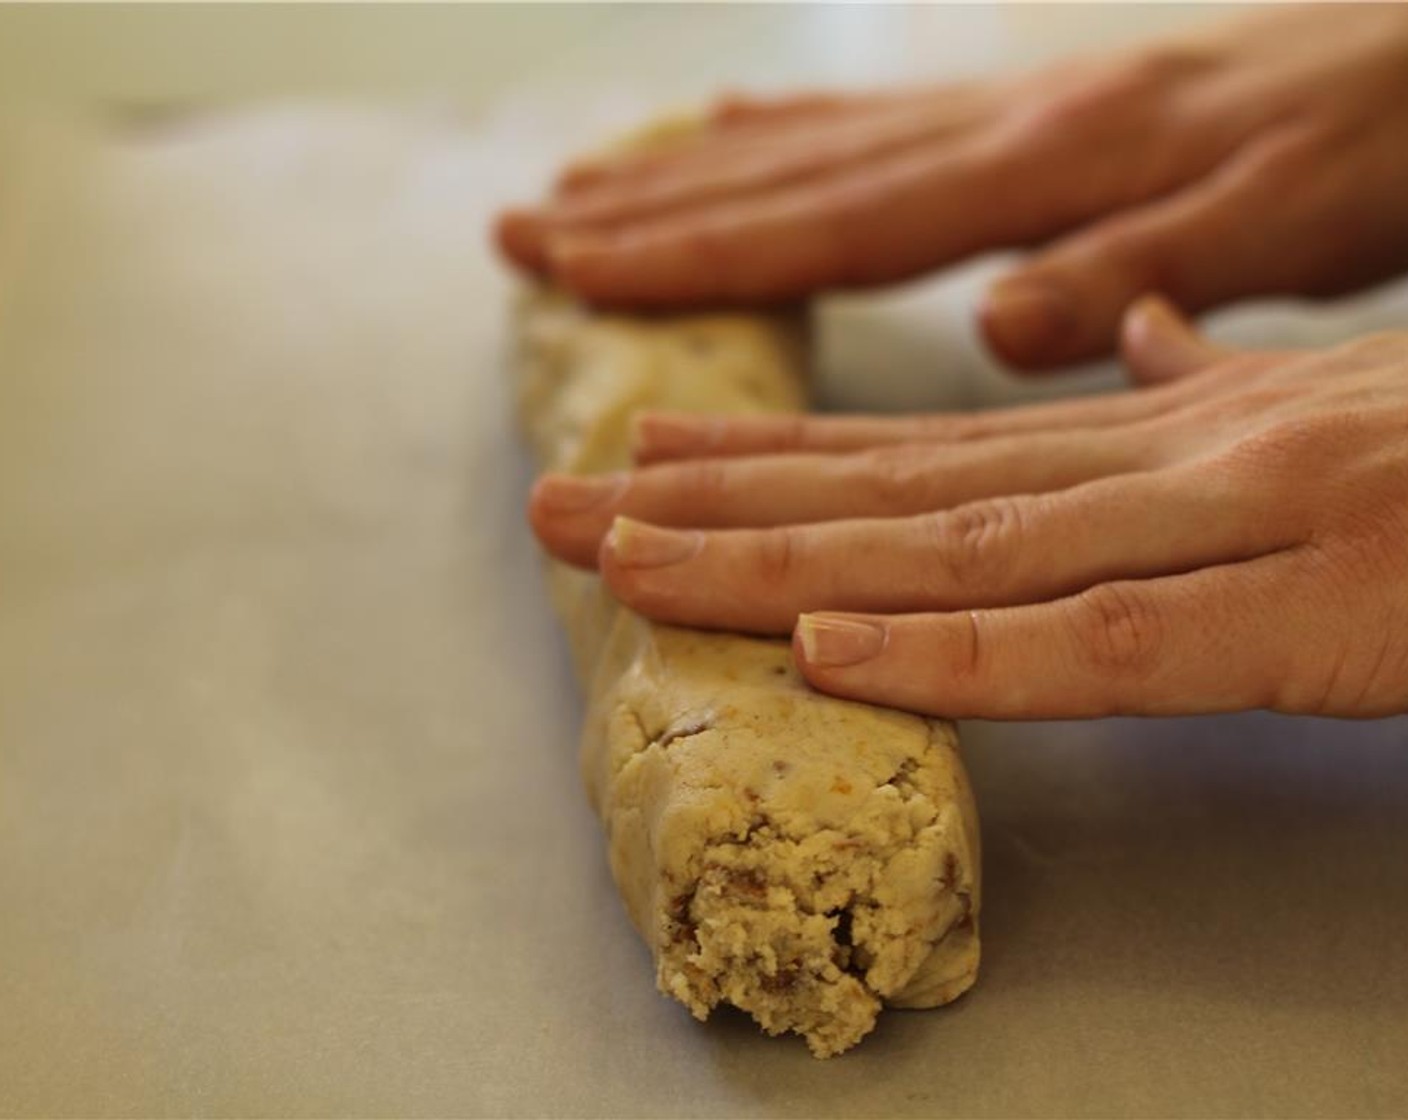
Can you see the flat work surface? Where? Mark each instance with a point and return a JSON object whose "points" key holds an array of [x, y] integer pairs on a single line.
{"points": [[289, 816]]}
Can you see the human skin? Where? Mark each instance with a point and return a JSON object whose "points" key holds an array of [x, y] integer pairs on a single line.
{"points": [[1264, 156], [1232, 536]]}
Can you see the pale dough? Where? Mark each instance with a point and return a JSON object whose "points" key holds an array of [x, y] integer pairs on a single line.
{"points": [[803, 858]]}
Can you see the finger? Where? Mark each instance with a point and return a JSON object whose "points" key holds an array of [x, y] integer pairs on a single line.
{"points": [[889, 219], [665, 436], [742, 108], [571, 514], [608, 190], [729, 116], [712, 134], [1018, 182], [996, 552], [734, 109], [702, 147], [1160, 345], [1213, 640], [1162, 349], [720, 165], [679, 151], [1224, 236], [733, 166], [520, 234]]}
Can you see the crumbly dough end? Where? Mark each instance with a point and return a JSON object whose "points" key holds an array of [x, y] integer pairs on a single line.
{"points": [[803, 858]]}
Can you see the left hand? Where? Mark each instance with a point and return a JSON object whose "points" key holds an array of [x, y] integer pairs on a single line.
{"points": [[1234, 537], [1260, 155]]}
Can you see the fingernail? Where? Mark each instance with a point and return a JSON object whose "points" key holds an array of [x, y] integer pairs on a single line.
{"points": [[830, 642], [1027, 319], [635, 544], [569, 493]]}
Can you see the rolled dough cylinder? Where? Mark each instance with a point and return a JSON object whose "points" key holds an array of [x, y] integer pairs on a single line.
{"points": [[804, 858]]}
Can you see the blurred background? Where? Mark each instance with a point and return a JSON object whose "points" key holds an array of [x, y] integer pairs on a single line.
{"points": [[527, 83], [157, 55]]}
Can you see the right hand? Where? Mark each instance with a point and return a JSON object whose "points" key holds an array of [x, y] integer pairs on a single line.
{"points": [[1268, 156], [1230, 538]]}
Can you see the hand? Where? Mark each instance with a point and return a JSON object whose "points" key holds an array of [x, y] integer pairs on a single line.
{"points": [[1266, 157], [1235, 537]]}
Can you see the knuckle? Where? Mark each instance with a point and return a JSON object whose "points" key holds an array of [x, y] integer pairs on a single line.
{"points": [[968, 656], [957, 427], [974, 545], [893, 477], [1283, 175], [792, 432], [704, 482], [1117, 630], [1323, 691], [1326, 675], [776, 555], [1164, 64], [1351, 660], [1138, 255], [1284, 159], [1296, 447], [1265, 402], [1382, 687], [1136, 88]]}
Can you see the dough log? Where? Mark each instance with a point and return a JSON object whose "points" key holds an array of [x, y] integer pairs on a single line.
{"points": [[803, 858]]}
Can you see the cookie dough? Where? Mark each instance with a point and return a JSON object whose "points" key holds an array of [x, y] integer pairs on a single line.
{"points": [[803, 858]]}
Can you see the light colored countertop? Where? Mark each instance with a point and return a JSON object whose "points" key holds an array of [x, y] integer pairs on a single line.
{"points": [[289, 817]]}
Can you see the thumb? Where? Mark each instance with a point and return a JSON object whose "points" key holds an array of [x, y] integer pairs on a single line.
{"points": [[1219, 239], [1158, 344]]}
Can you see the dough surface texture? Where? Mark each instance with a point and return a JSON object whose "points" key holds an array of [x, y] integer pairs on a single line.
{"points": [[803, 858]]}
